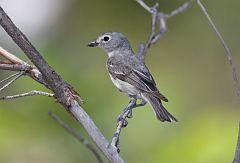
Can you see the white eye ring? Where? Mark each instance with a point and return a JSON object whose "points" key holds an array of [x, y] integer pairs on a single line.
{"points": [[106, 38]]}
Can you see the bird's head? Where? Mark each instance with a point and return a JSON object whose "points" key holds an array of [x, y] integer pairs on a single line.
{"points": [[111, 41]]}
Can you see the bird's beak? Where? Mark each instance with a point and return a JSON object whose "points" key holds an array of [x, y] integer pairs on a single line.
{"points": [[93, 44]]}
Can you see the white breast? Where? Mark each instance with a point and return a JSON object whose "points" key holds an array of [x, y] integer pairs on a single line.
{"points": [[124, 87], [110, 54]]}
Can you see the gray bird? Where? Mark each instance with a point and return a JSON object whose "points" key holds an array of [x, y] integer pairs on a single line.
{"points": [[129, 74]]}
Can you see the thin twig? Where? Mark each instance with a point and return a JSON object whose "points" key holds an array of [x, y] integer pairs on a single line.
{"points": [[12, 58], [11, 81], [29, 70], [122, 122], [15, 67], [31, 93], [145, 6], [180, 9], [159, 25], [11, 76], [77, 135], [228, 51], [237, 151]]}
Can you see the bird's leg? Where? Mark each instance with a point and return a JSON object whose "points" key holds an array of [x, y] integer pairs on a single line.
{"points": [[122, 122], [133, 104], [127, 112], [143, 102], [130, 106]]}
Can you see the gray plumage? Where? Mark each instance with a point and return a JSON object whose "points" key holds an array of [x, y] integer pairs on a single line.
{"points": [[129, 74]]}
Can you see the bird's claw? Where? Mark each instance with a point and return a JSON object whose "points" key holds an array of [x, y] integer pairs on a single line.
{"points": [[124, 121]]}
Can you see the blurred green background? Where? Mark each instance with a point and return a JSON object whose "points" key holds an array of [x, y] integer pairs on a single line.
{"points": [[189, 65]]}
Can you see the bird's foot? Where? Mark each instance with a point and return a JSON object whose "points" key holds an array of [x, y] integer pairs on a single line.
{"points": [[128, 109], [122, 120], [127, 113], [143, 102]]}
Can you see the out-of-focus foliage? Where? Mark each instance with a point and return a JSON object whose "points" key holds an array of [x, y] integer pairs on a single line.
{"points": [[189, 66]]}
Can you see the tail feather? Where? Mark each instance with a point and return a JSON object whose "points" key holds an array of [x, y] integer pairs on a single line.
{"points": [[161, 113]]}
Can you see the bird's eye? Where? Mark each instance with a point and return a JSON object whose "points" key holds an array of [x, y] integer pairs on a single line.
{"points": [[106, 38]]}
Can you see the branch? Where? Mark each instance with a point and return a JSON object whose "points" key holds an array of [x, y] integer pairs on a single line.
{"points": [[159, 25], [28, 70], [224, 44], [15, 67], [233, 69], [122, 122], [237, 151], [31, 93], [64, 93], [180, 9], [17, 76], [11, 76], [12, 58], [77, 135]]}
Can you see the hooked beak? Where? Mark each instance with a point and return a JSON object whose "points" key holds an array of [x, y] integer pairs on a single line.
{"points": [[93, 44]]}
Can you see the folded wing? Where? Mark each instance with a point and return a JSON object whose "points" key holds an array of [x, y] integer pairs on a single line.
{"points": [[141, 80]]}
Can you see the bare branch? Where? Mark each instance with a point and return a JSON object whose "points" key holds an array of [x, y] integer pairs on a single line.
{"points": [[228, 51], [11, 81], [31, 93], [29, 70], [95, 134], [180, 9], [145, 6], [159, 25], [64, 93], [11, 76], [12, 58], [237, 151], [77, 135], [122, 122], [15, 67]]}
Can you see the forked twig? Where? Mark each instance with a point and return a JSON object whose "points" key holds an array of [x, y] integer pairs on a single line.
{"points": [[77, 135], [9, 77], [159, 24], [29, 70]]}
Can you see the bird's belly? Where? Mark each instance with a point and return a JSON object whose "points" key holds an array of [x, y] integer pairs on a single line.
{"points": [[125, 87]]}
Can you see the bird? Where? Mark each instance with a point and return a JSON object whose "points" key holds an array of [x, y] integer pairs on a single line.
{"points": [[130, 74]]}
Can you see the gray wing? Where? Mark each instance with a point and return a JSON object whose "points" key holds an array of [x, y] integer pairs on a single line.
{"points": [[136, 77]]}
